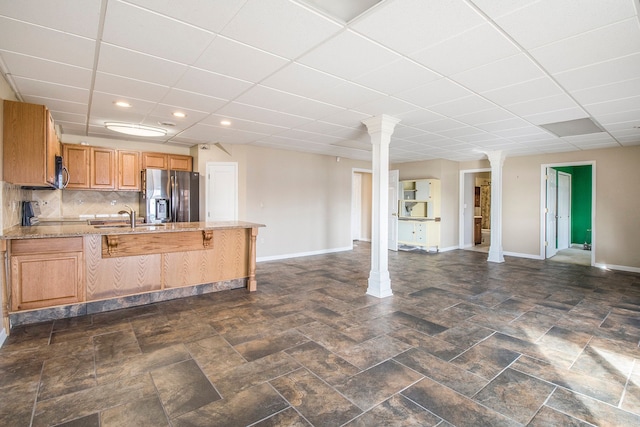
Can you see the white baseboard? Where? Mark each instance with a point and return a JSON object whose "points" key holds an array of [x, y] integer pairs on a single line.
{"points": [[618, 267], [450, 248], [3, 336], [521, 255], [303, 254]]}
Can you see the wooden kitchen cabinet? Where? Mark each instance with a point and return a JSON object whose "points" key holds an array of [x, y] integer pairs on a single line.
{"points": [[76, 159], [30, 145], [129, 170], [174, 162], [155, 161], [103, 168], [46, 272], [180, 163]]}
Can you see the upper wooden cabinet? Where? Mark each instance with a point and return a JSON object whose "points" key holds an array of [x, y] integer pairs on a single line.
{"points": [[76, 159], [174, 162], [180, 163], [30, 145], [103, 168], [90, 167], [129, 170], [154, 161]]}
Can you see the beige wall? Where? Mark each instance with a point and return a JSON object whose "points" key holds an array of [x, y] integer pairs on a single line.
{"points": [[366, 207], [616, 229]]}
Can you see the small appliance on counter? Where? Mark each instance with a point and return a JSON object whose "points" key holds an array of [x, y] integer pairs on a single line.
{"points": [[30, 213]]}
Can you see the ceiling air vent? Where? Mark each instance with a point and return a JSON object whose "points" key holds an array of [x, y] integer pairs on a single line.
{"points": [[573, 127]]}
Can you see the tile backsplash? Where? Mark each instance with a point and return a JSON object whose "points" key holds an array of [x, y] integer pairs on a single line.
{"points": [[73, 204], [11, 208]]}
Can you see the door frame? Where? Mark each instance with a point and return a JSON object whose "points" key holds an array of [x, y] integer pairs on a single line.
{"points": [[207, 178], [564, 200], [543, 204], [358, 203], [462, 203], [551, 214]]}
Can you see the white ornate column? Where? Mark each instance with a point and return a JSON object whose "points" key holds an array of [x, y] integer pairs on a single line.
{"points": [[380, 129], [496, 158]]}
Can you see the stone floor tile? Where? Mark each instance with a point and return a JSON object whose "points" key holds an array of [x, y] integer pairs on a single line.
{"points": [[183, 387], [485, 360], [327, 365], [215, 356], [287, 418], [271, 344], [445, 373], [145, 412], [396, 411], [453, 407], [245, 408], [547, 417], [439, 348], [374, 351], [516, 395], [590, 410], [92, 420], [63, 375], [314, 399], [376, 384]]}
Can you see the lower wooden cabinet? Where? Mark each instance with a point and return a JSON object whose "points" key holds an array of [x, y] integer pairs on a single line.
{"points": [[46, 272]]}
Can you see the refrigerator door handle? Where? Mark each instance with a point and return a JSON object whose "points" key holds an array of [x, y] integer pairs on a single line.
{"points": [[174, 199]]}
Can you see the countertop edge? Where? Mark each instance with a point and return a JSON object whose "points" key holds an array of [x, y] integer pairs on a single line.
{"points": [[18, 232]]}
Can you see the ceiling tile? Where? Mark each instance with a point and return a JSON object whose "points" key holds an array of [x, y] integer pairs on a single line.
{"points": [[301, 80], [192, 101], [212, 84], [602, 44], [104, 104], [619, 105], [45, 43], [348, 55], [262, 115], [79, 17], [607, 72], [211, 15], [541, 105], [243, 125], [494, 114], [556, 116], [289, 31], [51, 90], [130, 88], [462, 106], [228, 57], [398, 76], [348, 95], [139, 66], [385, 105], [143, 31], [45, 70], [525, 91], [411, 25], [546, 21], [435, 92], [505, 72], [478, 46], [617, 90]]}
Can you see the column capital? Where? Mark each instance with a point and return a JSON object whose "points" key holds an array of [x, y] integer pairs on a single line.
{"points": [[496, 158], [381, 123]]}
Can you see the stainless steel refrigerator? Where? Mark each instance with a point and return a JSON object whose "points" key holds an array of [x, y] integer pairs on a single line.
{"points": [[169, 196]]}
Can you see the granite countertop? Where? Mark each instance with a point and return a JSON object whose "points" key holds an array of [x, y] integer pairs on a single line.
{"points": [[76, 228]]}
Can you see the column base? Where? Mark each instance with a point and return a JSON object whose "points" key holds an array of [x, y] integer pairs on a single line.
{"points": [[379, 285], [495, 256]]}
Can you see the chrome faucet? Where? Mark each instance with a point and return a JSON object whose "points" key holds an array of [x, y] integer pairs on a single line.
{"points": [[132, 215]]}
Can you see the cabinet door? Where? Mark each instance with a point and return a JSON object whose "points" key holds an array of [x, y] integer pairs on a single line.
{"points": [[129, 170], [52, 150], [154, 161], [76, 159], [103, 168], [421, 233], [405, 232], [180, 163], [423, 189]]}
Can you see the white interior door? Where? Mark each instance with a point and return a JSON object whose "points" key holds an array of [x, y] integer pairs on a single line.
{"points": [[221, 191], [394, 181], [564, 210], [551, 214]]}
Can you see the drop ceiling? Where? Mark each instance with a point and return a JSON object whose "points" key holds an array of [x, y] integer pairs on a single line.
{"points": [[465, 77]]}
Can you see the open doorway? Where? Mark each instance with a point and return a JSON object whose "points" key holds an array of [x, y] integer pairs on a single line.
{"points": [[475, 210], [568, 214], [361, 205]]}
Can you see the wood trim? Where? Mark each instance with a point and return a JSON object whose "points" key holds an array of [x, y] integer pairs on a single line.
{"points": [[54, 244], [118, 245], [5, 288]]}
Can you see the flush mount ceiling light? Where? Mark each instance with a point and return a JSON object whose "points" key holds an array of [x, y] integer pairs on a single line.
{"points": [[179, 114], [225, 123], [134, 129], [123, 104], [573, 127]]}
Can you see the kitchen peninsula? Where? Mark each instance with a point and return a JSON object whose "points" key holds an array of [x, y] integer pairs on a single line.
{"points": [[60, 270]]}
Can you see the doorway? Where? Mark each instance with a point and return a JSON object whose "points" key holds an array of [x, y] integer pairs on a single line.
{"points": [[361, 205], [475, 210], [568, 213]]}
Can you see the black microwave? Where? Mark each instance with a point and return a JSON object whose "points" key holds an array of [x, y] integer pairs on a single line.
{"points": [[61, 178]]}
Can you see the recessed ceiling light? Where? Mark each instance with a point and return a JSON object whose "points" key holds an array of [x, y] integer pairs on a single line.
{"points": [[179, 114], [225, 122], [135, 129], [123, 104]]}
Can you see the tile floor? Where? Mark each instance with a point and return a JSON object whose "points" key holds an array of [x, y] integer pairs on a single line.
{"points": [[462, 342]]}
